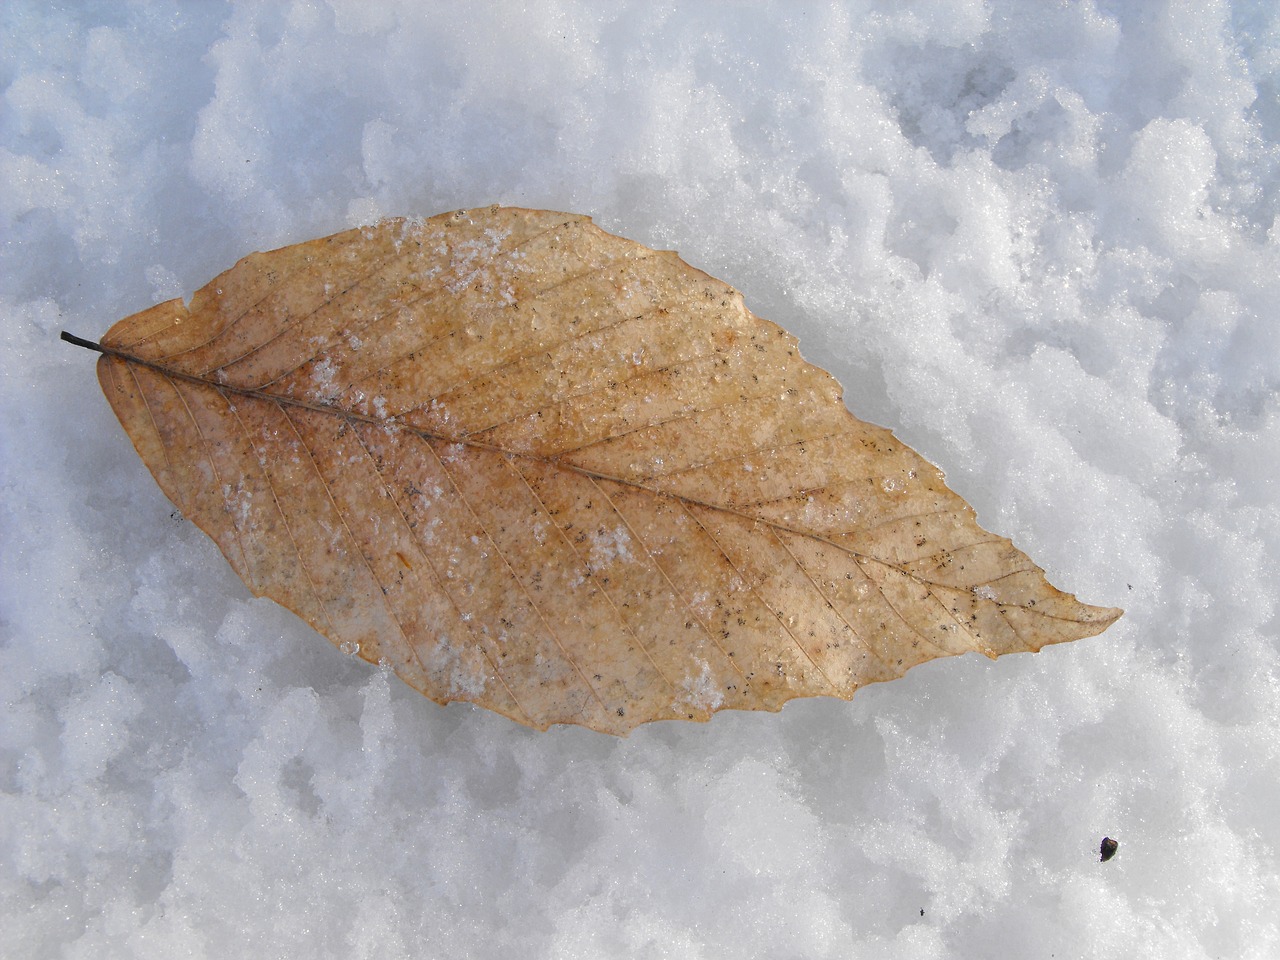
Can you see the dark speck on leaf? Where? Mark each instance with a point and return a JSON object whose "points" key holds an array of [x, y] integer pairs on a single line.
{"points": [[1108, 849]]}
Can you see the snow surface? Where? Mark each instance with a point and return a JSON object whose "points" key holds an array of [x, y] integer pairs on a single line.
{"points": [[1036, 238]]}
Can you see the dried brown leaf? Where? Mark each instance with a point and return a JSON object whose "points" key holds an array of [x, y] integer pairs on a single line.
{"points": [[558, 474]]}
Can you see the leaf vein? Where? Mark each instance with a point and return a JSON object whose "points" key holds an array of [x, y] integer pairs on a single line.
{"points": [[444, 468], [355, 543], [522, 358], [859, 561], [759, 596], [675, 592], [425, 293], [439, 581], [284, 519], [603, 589], [213, 463], [146, 403], [830, 603]]}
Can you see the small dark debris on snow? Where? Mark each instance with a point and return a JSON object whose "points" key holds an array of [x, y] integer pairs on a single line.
{"points": [[1108, 849]]}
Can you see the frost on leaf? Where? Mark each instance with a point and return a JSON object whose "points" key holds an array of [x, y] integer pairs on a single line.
{"points": [[553, 472]]}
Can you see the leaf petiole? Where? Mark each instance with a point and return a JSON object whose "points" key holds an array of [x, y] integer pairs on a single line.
{"points": [[80, 342]]}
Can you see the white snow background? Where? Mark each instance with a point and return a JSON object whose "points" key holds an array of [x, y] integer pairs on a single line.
{"points": [[1038, 239]]}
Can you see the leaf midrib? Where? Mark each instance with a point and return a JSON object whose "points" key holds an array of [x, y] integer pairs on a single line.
{"points": [[554, 462]]}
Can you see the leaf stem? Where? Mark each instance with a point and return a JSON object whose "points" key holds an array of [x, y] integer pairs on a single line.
{"points": [[79, 342]]}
